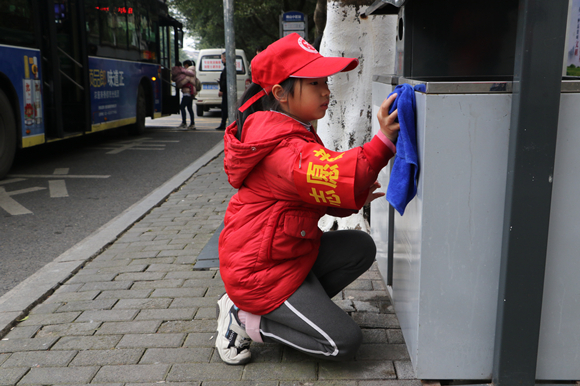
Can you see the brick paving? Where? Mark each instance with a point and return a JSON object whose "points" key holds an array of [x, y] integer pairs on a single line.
{"points": [[140, 313]]}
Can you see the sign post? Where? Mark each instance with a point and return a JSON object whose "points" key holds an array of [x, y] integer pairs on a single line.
{"points": [[293, 21]]}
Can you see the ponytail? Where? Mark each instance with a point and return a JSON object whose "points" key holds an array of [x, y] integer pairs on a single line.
{"points": [[265, 103]]}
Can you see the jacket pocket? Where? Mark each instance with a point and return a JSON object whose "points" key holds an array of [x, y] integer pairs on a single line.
{"points": [[296, 235]]}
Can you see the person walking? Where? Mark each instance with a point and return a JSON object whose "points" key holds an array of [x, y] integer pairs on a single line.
{"points": [[185, 79], [279, 269]]}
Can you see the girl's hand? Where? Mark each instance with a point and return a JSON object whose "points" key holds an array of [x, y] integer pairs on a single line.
{"points": [[388, 122], [372, 195]]}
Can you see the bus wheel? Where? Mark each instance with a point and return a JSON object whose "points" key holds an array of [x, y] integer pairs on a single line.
{"points": [[7, 135], [139, 126], [199, 110]]}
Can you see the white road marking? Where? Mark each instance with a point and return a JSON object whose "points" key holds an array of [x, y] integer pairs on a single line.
{"points": [[10, 205], [61, 171], [53, 176], [4, 182], [139, 144], [57, 188]]}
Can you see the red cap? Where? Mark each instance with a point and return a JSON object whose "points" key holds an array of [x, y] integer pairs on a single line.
{"points": [[292, 56]]}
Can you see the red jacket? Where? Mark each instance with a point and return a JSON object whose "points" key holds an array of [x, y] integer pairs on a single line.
{"points": [[287, 181]]}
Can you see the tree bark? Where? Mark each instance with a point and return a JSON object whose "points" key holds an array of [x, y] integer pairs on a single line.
{"points": [[347, 123]]}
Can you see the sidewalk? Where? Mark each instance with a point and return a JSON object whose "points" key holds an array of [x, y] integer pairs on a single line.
{"points": [[141, 313]]}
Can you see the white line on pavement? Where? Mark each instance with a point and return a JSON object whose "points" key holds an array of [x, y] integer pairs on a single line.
{"points": [[52, 176], [57, 188]]}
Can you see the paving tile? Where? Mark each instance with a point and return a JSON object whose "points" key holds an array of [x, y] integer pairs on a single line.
{"points": [[34, 344], [190, 275], [106, 285], [66, 297], [151, 340], [404, 370], [103, 304], [356, 370], [39, 359], [126, 269], [341, 382], [167, 314], [163, 384], [375, 335], [45, 308], [66, 288], [168, 267], [200, 339], [176, 355], [189, 326], [154, 260], [382, 352], [143, 303], [246, 383], [80, 278], [206, 313], [194, 302], [4, 357], [203, 283], [395, 336], [125, 294], [135, 327], [107, 316], [265, 352], [132, 373], [68, 329], [204, 372], [168, 283], [397, 382], [58, 375], [108, 357], [280, 371], [22, 332], [11, 376], [43, 319], [139, 276], [105, 342], [372, 320], [178, 292], [108, 263]]}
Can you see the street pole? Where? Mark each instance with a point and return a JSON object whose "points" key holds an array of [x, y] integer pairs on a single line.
{"points": [[532, 148], [232, 92]]}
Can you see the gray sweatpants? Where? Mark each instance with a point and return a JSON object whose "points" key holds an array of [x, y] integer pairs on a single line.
{"points": [[309, 320]]}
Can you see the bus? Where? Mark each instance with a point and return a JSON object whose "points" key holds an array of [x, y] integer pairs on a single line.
{"points": [[73, 67]]}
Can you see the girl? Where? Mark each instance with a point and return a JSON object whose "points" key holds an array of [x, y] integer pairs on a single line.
{"points": [[279, 269]]}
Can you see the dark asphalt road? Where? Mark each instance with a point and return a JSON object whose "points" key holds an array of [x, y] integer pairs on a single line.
{"points": [[40, 218]]}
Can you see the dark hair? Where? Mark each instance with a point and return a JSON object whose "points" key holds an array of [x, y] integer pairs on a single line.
{"points": [[265, 103], [188, 63], [178, 64]]}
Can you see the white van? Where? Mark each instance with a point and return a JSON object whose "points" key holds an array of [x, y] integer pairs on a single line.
{"points": [[208, 69]]}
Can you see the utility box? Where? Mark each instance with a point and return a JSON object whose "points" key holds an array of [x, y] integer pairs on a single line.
{"points": [[446, 248], [441, 259]]}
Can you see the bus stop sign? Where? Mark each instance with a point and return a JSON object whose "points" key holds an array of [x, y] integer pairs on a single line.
{"points": [[293, 21]]}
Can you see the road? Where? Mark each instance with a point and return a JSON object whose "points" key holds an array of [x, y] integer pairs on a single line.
{"points": [[58, 194]]}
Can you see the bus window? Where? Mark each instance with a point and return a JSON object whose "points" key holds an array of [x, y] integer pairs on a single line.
{"points": [[16, 25]]}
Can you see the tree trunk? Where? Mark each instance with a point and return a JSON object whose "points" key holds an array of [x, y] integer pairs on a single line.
{"points": [[347, 123]]}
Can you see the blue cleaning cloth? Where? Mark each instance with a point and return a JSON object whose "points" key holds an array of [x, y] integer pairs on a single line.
{"points": [[403, 182]]}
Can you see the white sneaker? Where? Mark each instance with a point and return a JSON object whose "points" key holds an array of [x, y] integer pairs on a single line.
{"points": [[191, 127], [182, 126], [232, 341]]}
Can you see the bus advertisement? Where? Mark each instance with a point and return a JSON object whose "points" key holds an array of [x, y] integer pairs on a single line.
{"points": [[24, 64], [114, 91], [74, 67]]}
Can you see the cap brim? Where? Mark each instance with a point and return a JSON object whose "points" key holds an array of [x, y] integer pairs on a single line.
{"points": [[326, 66]]}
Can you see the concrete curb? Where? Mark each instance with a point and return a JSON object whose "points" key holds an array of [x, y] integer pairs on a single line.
{"points": [[22, 298]]}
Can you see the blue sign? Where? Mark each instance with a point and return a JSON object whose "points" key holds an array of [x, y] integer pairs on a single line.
{"points": [[22, 66], [115, 85], [293, 16]]}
